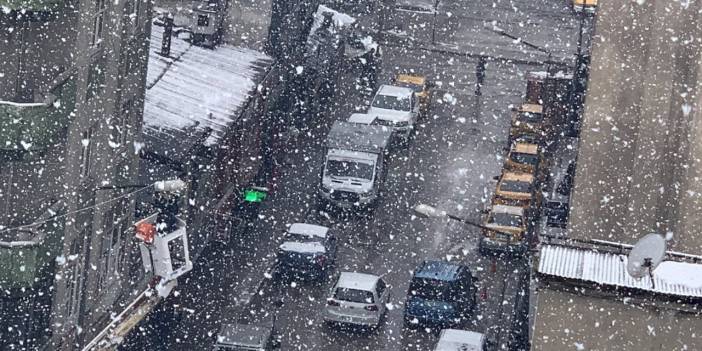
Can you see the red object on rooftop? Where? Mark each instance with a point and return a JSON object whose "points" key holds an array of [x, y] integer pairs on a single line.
{"points": [[145, 232]]}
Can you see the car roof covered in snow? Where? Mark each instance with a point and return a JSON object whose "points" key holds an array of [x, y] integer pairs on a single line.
{"points": [[460, 340], [392, 90], [248, 335], [358, 281], [308, 229], [358, 137], [525, 148], [513, 210], [305, 248], [362, 118]]}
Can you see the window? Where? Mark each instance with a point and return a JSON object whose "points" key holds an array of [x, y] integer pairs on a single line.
{"points": [[203, 20], [118, 125], [96, 78], [85, 153], [98, 23], [114, 226]]}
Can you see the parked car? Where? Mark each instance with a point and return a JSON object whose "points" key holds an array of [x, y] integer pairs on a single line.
{"points": [[460, 340], [309, 251], [585, 6], [517, 189], [526, 157], [396, 107], [357, 299], [505, 230], [245, 336], [529, 123], [419, 84], [440, 294]]}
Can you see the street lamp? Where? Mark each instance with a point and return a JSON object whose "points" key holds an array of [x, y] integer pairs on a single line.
{"points": [[426, 211]]}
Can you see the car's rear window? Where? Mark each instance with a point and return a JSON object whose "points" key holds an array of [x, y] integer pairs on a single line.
{"points": [[430, 289], [516, 186], [530, 117], [524, 158], [506, 219], [354, 295]]}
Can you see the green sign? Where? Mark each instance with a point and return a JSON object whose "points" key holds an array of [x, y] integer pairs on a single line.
{"points": [[254, 195]]}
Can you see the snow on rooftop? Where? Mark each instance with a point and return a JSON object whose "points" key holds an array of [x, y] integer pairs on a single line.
{"points": [[197, 87], [672, 278], [340, 19]]}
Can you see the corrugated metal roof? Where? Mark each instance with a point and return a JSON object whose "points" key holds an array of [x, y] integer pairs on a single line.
{"points": [[610, 269]]}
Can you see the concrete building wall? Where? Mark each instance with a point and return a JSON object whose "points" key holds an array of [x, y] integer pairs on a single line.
{"points": [[567, 321], [103, 44], [639, 157], [34, 52]]}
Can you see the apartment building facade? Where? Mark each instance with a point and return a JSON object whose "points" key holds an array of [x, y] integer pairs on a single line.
{"points": [[72, 83]]}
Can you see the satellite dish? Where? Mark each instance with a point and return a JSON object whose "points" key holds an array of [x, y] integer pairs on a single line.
{"points": [[645, 256]]}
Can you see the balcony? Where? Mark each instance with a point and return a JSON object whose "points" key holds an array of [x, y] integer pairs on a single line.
{"points": [[35, 126], [31, 5], [28, 254]]}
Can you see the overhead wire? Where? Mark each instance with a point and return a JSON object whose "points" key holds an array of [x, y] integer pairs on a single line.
{"points": [[34, 224]]}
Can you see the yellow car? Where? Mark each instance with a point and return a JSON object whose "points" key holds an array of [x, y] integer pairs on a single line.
{"points": [[504, 229], [420, 86], [585, 6], [516, 189], [530, 123], [524, 157]]}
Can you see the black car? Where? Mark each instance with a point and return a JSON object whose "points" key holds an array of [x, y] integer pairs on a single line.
{"points": [[308, 252], [440, 294]]}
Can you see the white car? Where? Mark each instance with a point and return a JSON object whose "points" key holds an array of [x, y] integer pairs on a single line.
{"points": [[358, 299], [396, 107], [460, 340]]}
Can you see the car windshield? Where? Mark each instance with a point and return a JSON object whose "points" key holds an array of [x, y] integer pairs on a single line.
{"points": [[391, 102], [429, 289], [530, 117], [515, 186], [506, 220], [301, 238], [524, 158], [353, 295], [339, 168], [415, 87]]}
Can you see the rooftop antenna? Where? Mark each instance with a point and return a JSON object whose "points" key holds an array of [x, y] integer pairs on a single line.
{"points": [[645, 256]]}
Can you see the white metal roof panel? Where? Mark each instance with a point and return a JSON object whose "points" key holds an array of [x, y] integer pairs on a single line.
{"points": [[197, 87], [671, 278]]}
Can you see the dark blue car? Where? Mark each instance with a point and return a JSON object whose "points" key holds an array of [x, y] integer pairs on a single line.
{"points": [[441, 294]]}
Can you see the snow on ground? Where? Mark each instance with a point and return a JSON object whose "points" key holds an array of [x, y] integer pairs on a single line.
{"points": [[197, 87]]}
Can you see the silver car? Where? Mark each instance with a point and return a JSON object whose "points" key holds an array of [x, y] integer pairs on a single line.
{"points": [[357, 299]]}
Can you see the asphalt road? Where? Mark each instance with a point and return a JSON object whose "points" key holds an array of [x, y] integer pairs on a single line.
{"points": [[450, 163]]}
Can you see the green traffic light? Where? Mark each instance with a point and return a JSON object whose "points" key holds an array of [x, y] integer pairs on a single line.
{"points": [[252, 195]]}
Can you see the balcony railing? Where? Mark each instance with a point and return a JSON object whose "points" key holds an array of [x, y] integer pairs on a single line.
{"points": [[27, 254]]}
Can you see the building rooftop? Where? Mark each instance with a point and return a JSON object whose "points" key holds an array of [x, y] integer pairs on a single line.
{"points": [[195, 88], [609, 269]]}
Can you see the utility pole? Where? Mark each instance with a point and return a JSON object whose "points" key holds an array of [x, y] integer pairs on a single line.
{"points": [[480, 79]]}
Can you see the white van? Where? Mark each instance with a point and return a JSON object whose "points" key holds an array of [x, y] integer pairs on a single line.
{"points": [[460, 340]]}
